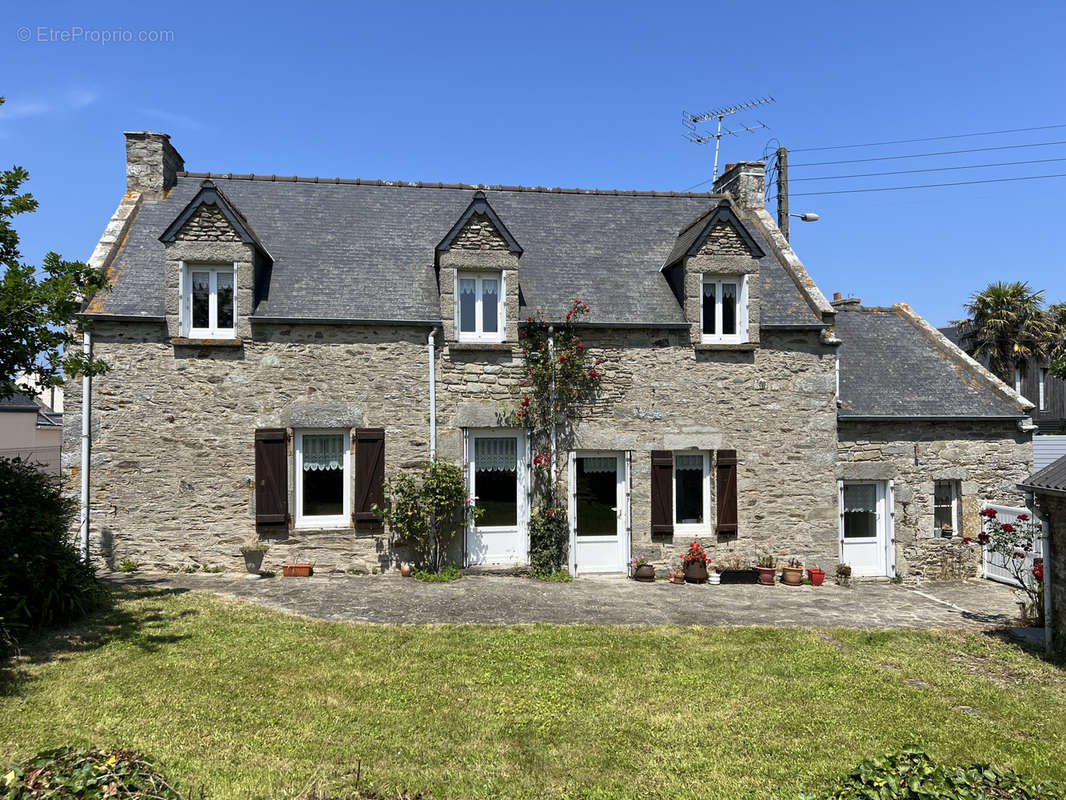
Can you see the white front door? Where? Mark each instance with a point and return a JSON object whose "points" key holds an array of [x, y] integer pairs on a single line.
{"points": [[598, 495], [865, 519], [498, 476]]}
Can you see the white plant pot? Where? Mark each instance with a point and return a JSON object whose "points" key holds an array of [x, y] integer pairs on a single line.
{"points": [[714, 578]]}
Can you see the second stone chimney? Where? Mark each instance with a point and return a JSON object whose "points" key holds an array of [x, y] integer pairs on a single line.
{"points": [[842, 303], [745, 181], [152, 163]]}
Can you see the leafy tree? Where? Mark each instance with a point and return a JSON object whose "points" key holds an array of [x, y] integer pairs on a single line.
{"points": [[36, 314], [1007, 324]]}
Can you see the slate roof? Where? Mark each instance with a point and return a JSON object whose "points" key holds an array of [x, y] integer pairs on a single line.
{"points": [[366, 251], [891, 366], [1051, 478], [18, 402]]}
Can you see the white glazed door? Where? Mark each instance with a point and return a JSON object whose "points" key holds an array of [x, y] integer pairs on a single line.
{"points": [[498, 478], [598, 540], [864, 527]]}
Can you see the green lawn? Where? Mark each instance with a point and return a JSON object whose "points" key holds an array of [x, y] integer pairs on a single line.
{"points": [[253, 703]]}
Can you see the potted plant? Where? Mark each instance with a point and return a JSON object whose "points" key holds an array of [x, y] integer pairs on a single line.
{"points": [[816, 574], [843, 574], [642, 570], [297, 569], [792, 572], [735, 569], [677, 576], [767, 570], [695, 561], [946, 531], [714, 576], [253, 553], [406, 570]]}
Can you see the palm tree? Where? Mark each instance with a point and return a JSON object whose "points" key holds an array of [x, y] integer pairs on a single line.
{"points": [[1008, 325]]}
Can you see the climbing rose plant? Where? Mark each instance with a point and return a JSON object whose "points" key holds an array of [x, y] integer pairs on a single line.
{"points": [[1013, 543]]}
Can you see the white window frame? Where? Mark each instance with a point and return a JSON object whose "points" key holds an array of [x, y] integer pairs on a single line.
{"points": [[212, 331], [1018, 380], [344, 520], [1042, 406], [478, 334], [718, 337], [956, 491], [693, 528]]}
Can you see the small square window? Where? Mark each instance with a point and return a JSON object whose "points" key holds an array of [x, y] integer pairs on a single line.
{"points": [[946, 508], [479, 308], [323, 494], [692, 492], [208, 302], [724, 309]]}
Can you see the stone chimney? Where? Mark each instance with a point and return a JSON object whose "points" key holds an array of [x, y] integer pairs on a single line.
{"points": [[846, 303], [745, 181], [152, 163]]}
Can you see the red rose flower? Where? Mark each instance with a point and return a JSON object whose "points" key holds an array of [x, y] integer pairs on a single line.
{"points": [[1023, 517], [1008, 528], [988, 512]]}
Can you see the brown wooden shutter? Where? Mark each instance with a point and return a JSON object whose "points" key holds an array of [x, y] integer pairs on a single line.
{"points": [[369, 478], [726, 472], [271, 480], [662, 493]]}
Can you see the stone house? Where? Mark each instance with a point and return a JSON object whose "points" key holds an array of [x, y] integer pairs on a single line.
{"points": [[1048, 487], [281, 345]]}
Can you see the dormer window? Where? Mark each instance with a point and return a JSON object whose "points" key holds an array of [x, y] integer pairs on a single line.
{"points": [[480, 310], [208, 302], [724, 309]]}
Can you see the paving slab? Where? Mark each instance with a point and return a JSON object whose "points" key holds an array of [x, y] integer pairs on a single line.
{"points": [[499, 600]]}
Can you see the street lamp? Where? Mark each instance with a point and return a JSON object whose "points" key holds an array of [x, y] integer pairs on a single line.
{"points": [[810, 216]]}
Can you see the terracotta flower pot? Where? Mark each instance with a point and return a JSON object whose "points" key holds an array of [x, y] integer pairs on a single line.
{"points": [[766, 575], [677, 578], [300, 570], [817, 576], [645, 573], [696, 572], [792, 576], [406, 570]]}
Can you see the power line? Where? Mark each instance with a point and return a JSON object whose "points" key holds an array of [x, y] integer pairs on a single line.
{"points": [[925, 155], [925, 139], [928, 169], [930, 185]]}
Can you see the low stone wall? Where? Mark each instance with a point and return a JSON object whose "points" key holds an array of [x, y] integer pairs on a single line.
{"points": [[987, 458]]}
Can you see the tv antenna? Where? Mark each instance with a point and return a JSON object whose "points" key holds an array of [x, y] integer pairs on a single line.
{"points": [[690, 121]]}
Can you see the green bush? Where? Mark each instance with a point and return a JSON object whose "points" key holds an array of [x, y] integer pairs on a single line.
{"points": [[549, 541], [79, 774], [42, 579], [448, 573], [912, 775]]}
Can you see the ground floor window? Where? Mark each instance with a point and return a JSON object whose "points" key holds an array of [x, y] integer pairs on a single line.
{"points": [[860, 510], [323, 496], [692, 492], [496, 480], [946, 507]]}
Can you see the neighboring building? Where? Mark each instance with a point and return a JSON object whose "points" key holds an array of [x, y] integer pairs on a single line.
{"points": [[1049, 490], [51, 397], [31, 432], [270, 341]]}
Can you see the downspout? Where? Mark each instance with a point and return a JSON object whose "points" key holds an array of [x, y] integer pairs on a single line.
{"points": [[551, 399], [432, 394], [86, 408]]}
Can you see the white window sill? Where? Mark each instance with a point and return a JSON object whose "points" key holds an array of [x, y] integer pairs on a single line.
{"points": [[208, 341], [690, 529], [333, 523], [710, 346]]}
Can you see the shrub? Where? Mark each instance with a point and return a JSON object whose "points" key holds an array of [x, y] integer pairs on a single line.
{"points": [[549, 541], [43, 581], [80, 774], [447, 574], [912, 775]]}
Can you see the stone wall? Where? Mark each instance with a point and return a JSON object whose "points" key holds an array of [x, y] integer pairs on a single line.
{"points": [[988, 459], [479, 234], [1054, 509], [207, 224], [723, 240], [173, 431]]}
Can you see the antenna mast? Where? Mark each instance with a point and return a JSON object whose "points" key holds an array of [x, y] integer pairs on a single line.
{"points": [[690, 121]]}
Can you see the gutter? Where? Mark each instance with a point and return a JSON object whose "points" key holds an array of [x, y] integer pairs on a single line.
{"points": [[432, 347], [86, 443], [433, 323], [908, 418], [103, 317]]}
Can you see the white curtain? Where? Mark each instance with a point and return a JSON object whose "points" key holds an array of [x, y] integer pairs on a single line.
{"points": [[599, 463], [323, 452], [496, 455], [689, 461], [860, 499]]}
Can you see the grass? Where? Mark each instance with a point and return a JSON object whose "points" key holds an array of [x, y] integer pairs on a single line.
{"points": [[253, 703]]}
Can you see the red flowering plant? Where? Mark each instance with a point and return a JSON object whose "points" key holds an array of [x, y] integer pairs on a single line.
{"points": [[1013, 543], [695, 555]]}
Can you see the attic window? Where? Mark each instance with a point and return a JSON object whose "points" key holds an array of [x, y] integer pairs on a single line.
{"points": [[208, 302], [724, 309], [479, 307]]}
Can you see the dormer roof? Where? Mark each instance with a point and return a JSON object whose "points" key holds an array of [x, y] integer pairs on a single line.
{"points": [[211, 195], [479, 207]]}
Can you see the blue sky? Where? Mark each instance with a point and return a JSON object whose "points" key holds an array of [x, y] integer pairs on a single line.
{"points": [[570, 94]]}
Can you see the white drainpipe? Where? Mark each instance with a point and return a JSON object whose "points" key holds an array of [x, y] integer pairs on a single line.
{"points": [[432, 394], [551, 400], [86, 409]]}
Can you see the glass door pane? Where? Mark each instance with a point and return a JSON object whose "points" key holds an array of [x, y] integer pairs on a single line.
{"points": [[496, 481], [596, 495], [860, 511]]}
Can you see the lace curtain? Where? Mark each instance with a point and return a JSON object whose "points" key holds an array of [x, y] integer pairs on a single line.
{"points": [[860, 499], [599, 463], [496, 455], [689, 461], [323, 452]]}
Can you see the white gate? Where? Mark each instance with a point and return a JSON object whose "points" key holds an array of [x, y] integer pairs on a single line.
{"points": [[994, 565]]}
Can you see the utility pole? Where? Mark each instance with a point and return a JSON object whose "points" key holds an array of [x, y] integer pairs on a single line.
{"points": [[782, 190], [690, 121]]}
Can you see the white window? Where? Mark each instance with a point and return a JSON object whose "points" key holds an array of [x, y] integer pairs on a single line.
{"points": [[479, 307], [692, 492], [1018, 380], [724, 309], [208, 303], [946, 507], [323, 482], [1043, 380]]}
